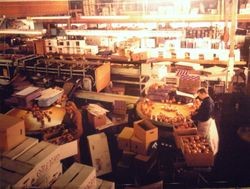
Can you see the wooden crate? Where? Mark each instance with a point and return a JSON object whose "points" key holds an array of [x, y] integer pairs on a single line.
{"points": [[182, 131], [194, 153]]}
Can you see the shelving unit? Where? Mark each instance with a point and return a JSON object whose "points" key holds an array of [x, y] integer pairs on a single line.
{"points": [[243, 17]]}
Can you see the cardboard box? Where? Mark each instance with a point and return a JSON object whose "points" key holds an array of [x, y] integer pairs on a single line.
{"points": [[16, 174], [120, 107], [77, 176], [138, 146], [50, 177], [97, 121], [68, 149], [12, 132], [42, 157], [67, 145], [104, 184], [21, 148], [145, 131], [124, 137], [99, 151]]}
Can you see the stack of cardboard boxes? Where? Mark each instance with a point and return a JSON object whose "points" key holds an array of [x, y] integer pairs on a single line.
{"points": [[140, 140], [25, 162]]}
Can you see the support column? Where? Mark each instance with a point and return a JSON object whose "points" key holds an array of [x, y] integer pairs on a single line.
{"points": [[231, 60]]}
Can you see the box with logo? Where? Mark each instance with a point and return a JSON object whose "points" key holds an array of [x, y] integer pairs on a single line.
{"points": [[12, 132], [145, 131], [99, 152], [124, 137], [42, 157], [50, 177], [77, 176]]}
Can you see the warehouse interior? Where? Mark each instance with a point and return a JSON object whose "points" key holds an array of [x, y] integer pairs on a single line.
{"points": [[104, 94]]}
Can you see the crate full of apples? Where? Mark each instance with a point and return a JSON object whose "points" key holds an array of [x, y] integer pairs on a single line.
{"points": [[197, 151]]}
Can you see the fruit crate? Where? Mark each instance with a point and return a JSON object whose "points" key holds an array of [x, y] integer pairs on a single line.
{"points": [[197, 151], [183, 129]]}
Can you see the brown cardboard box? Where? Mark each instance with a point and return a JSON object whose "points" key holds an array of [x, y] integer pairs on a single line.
{"points": [[124, 137], [139, 146], [77, 176], [97, 121], [12, 132], [145, 131]]}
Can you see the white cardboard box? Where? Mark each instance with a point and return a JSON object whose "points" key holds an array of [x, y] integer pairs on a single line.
{"points": [[50, 177], [16, 174], [77, 176], [68, 149], [99, 151], [42, 157], [21, 148]]}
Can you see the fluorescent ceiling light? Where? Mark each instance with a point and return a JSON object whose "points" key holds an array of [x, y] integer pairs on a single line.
{"points": [[105, 17], [125, 33], [49, 17], [24, 32]]}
